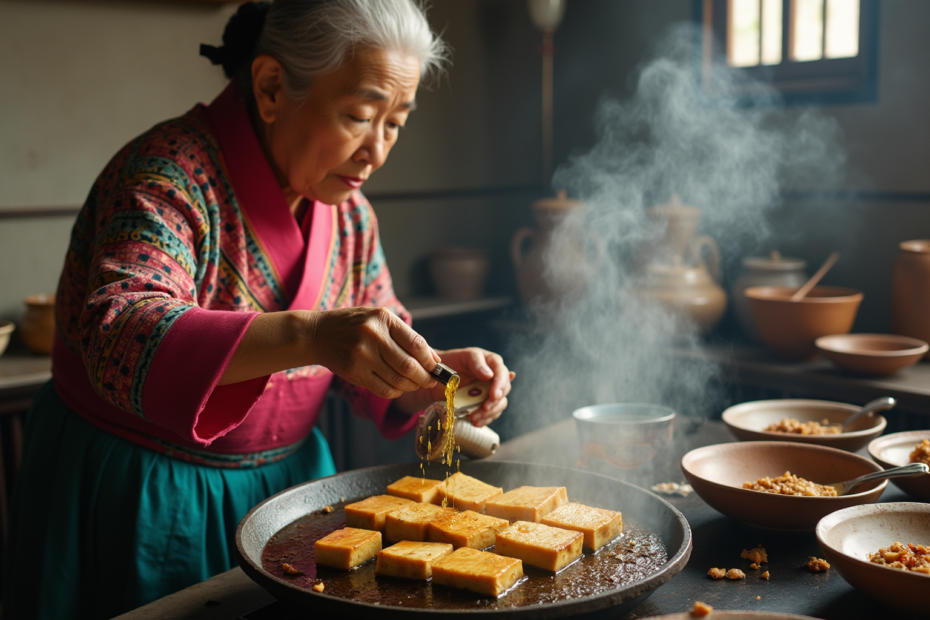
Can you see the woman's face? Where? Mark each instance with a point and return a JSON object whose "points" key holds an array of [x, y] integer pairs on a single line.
{"points": [[329, 144]]}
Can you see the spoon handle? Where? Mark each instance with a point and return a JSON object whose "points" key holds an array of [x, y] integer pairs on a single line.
{"points": [[912, 469], [879, 404], [804, 290]]}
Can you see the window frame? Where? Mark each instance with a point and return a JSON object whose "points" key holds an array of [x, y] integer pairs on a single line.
{"points": [[824, 81]]}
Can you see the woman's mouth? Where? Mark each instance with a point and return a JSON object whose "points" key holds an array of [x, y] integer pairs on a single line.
{"points": [[353, 182]]}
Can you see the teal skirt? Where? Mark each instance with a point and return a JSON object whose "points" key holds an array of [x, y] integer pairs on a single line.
{"points": [[100, 525]]}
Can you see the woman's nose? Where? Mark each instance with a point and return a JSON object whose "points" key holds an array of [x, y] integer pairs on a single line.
{"points": [[372, 152]]}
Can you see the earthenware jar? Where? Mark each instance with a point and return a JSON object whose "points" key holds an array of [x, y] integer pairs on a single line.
{"points": [[459, 273], [674, 271], [772, 270], [560, 259], [38, 325], [910, 291]]}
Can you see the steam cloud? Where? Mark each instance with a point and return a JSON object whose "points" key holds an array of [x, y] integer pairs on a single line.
{"points": [[674, 135]]}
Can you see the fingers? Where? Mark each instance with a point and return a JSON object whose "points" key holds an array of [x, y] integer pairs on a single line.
{"points": [[500, 384], [484, 417], [408, 356]]}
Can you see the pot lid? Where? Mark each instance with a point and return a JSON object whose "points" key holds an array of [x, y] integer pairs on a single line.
{"points": [[774, 262], [675, 205], [559, 201]]}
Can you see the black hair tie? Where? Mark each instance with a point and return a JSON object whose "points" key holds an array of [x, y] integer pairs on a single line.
{"points": [[239, 38]]}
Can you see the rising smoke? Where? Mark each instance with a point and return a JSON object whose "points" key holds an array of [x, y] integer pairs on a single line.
{"points": [[723, 147]]}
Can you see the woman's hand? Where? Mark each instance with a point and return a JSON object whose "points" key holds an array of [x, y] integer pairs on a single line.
{"points": [[472, 364], [372, 348]]}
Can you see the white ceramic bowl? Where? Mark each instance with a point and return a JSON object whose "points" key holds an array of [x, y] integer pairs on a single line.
{"points": [[6, 329], [895, 450], [848, 536]]}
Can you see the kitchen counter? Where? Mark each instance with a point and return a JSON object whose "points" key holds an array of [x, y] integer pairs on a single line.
{"points": [[718, 541]]}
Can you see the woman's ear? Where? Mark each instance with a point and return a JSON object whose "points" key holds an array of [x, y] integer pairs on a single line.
{"points": [[267, 87]]}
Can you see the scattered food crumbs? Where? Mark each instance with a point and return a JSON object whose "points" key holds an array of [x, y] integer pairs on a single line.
{"points": [[758, 598], [735, 573], [342, 499], [673, 488], [757, 555], [319, 587], [327, 509], [754, 566], [717, 573], [816, 565], [290, 570], [764, 575], [701, 609]]}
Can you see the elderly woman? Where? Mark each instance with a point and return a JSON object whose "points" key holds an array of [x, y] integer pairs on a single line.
{"points": [[223, 275]]}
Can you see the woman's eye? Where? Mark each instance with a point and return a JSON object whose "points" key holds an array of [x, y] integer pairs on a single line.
{"points": [[394, 125], [356, 119]]}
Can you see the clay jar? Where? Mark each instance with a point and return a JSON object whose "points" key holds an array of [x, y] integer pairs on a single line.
{"points": [[772, 270], [459, 273], [910, 291], [555, 266], [38, 325]]}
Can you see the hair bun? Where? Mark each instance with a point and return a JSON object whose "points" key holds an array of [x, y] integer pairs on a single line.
{"points": [[239, 38]]}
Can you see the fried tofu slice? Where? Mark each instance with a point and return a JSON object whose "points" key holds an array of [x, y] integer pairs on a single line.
{"points": [[598, 525], [411, 560], [467, 493], [479, 571], [411, 522], [543, 546], [416, 489], [347, 548], [526, 503], [466, 529], [369, 514]]}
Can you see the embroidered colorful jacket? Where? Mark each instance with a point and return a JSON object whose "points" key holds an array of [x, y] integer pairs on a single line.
{"points": [[184, 239]]}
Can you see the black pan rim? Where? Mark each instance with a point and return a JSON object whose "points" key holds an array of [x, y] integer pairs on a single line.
{"points": [[591, 603]]}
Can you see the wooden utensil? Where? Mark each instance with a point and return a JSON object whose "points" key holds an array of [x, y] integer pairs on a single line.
{"points": [[804, 290]]}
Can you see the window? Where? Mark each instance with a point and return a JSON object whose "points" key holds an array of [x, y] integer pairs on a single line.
{"points": [[813, 51]]}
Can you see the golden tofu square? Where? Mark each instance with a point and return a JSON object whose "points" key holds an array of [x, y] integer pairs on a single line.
{"points": [[369, 514], [416, 489], [466, 529], [347, 548], [467, 493], [526, 503], [479, 571], [411, 560], [411, 522], [542, 546], [598, 525]]}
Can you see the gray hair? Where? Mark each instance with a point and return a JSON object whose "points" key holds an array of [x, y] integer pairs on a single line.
{"points": [[313, 37]]}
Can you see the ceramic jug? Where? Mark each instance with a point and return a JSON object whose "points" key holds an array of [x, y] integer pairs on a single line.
{"points": [[910, 291], [771, 270], [37, 328], [554, 266], [674, 271]]}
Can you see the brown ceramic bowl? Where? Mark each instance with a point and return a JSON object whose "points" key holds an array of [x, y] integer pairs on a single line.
{"points": [[895, 450], [791, 327], [718, 472], [879, 355], [732, 615], [748, 420], [848, 536]]}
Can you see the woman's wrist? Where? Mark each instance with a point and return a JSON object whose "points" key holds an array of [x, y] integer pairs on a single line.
{"points": [[274, 341]]}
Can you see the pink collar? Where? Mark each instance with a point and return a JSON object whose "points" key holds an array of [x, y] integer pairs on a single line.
{"points": [[298, 256]]}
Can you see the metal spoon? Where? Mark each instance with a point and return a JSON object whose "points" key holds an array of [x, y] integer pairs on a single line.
{"points": [[842, 488], [879, 404]]}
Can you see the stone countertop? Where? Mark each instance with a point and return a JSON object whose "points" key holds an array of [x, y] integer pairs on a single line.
{"points": [[718, 541]]}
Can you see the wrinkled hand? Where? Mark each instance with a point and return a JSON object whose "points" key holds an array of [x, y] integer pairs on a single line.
{"points": [[373, 348], [474, 364]]}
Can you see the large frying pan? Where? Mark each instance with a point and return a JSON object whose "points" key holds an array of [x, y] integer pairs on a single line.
{"points": [[637, 505]]}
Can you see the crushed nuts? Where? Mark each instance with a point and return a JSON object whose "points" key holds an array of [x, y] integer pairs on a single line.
{"points": [[816, 565], [319, 587], [735, 573], [756, 556], [701, 609], [717, 573], [764, 575], [290, 570]]}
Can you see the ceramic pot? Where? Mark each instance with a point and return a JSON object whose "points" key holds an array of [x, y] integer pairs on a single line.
{"points": [[38, 325], [554, 266], [686, 290], [459, 273], [910, 291], [773, 270]]}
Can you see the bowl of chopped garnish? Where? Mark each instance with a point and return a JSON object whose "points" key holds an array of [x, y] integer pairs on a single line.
{"points": [[883, 550], [816, 422], [778, 485], [899, 449]]}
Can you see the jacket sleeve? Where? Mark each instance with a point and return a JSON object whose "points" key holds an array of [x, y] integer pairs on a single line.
{"points": [[376, 290], [148, 346]]}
